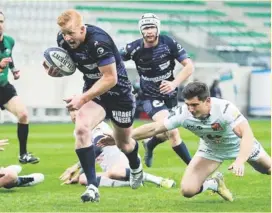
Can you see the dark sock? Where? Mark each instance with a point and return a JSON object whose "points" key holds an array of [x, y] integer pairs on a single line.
{"points": [[86, 157], [22, 134], [183, 152], [134, 161], [13, 184], [200, 190], [98, 179], [127, 174], [153, 142]]}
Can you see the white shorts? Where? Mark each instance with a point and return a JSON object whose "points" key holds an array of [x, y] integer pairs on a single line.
{"points": [[112, 156], [208, 153]]}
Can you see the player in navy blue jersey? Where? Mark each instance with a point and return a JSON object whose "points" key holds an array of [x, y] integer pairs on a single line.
{"points": [[107, 92], [154, 56]]}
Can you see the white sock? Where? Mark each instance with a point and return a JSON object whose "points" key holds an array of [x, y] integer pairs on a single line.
{"points": [[152, 178], [107, 182], [210, 184]]}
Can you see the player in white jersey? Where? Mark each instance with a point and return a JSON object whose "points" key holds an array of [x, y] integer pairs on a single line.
{"points": [[9, 175], [114, 165], [225, 134]]}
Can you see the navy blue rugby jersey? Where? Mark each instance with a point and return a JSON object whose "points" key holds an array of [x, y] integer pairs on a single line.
{"points": [[97, 50], [154, 64]]}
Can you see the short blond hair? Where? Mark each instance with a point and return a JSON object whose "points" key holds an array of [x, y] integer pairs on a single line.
{"points": [[69, 15]]}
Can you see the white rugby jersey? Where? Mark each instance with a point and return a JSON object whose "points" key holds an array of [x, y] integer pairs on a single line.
{"points": [[110, 154], [217, 130]]}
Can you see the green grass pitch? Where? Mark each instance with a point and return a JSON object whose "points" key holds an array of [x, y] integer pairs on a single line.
{"points": [[53, 143]]}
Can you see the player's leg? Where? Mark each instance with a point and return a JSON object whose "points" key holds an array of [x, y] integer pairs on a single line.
{"points": [[260, 160], [129, 147], [195, 180], [158, 111], [159, 181], [87, 117], [8, 178], [15, 105]]}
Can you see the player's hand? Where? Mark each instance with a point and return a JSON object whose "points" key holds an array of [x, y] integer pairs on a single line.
{"points": [[3, 143], [166, 87], [51, 70], [237, 168], [73, 115], [4, 62], [68, 173], [108, 140], [16, 74], [74, 103], [74, 178]]}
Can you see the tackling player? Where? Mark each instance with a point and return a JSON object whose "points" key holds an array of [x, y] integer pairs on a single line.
{"points": [[224, 134], [154, 56]]}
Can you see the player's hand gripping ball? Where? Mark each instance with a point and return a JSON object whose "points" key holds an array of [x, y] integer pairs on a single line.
{"points": [[59, 58]]}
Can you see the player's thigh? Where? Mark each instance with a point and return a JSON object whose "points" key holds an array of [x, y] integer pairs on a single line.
{"points": [[197, 172], [117, 171], [16, 106], [263, 163], [89, 115], [122, 135]]}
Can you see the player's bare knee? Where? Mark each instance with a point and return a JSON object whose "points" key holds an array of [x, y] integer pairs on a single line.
{"points": [[9, 178], [188, 191], [22, 116]]}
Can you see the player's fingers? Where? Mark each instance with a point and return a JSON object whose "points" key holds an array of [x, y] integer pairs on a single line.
{"points": [[230, 167], [67, 100], [2, 149], [3, 140]]}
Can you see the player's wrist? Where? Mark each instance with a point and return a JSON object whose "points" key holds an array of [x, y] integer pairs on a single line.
{"points": [[2, 67]]}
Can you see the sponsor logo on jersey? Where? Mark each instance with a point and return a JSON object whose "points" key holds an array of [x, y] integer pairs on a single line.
{"points": [[122, 116], [94, 75], [90, 66], [216, 127], [164, 65], [158, 78], [100, 50]]}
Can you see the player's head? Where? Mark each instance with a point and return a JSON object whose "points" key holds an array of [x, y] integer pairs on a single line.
{"points": [[2, 20], [197, 98], [149, 26], [72, 27]]}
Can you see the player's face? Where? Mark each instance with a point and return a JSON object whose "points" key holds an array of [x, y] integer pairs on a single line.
{"points": [[150, 34], [73, 34], [2, 19], [198, 108]]}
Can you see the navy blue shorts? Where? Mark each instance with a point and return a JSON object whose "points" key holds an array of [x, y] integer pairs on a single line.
{"points": [[152, 106], [120, 110], [6, 93]]}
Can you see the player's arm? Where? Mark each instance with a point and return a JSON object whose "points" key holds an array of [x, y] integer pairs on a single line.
{"points": [[185, 73], [152, 129], [244, 131], [124, 52], [104, 84], [241, 128]]}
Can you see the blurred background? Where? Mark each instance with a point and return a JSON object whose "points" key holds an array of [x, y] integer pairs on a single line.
{"points": [[229, 42]]}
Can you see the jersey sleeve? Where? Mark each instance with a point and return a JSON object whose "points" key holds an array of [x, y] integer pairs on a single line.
{"points": [[177, 50], [102, 52], [232, 115], [125, 53], [11, 64], [175, 119]]}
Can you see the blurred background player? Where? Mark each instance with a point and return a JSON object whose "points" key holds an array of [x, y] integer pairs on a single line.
{"points": [[107, 92], [215, 90], [9, 175], [113, 163], [9, 99], [154, 56]]}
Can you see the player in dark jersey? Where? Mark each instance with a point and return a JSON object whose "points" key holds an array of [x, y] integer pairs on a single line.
{"points": [[154, 56], [9, 99], [107, 92]]}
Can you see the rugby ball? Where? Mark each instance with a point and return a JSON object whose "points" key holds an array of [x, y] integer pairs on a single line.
{"points": [[59, 57]]}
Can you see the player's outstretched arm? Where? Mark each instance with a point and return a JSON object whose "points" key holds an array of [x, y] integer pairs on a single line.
{"points": [[149, 130], [3, 143], [244, 131]]}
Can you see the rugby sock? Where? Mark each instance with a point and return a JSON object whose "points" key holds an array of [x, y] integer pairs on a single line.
{"points": [[127, 174], [210, 184], [107, 182], [152, 178], [22, 134], [183, 152], [86, 157], [134, 160], [153, 142]]}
